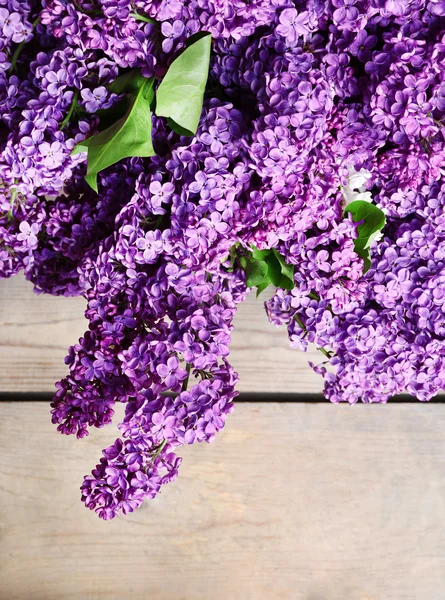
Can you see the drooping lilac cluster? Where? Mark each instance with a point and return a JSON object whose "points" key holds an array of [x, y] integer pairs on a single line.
{"points": [[309, 106]]}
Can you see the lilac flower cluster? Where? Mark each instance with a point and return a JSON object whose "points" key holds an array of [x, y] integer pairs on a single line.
{"points": [[310, 105]]}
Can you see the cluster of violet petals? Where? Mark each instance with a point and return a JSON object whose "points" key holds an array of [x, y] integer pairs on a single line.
{"points": [[309, 105]]}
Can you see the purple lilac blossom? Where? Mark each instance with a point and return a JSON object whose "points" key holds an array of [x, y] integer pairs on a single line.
{"points": [[310, 104]]}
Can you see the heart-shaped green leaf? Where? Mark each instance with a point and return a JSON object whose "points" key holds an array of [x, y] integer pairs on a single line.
{"points": [[262, 286], [287, 271], [260, 254], [129, 136], [181, 93], [372, 220], [276, 267], [256, 273]]}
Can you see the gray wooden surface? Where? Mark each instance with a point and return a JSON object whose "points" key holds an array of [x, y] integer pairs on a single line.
{"points": [[293, 502]]}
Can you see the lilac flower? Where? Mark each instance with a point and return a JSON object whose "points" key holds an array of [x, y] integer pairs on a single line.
{"points": [[55, 82], [31, 143], [346, 12], [92, 371], [339, 102], [395, 7], [215, 139], [163, 426], [362, 45], [160, 194], [171, 32], [215, 225], [94, 99], [293, 25], [10, 23], [150, 246], [53, 154], [28, 234], [172, 373]]}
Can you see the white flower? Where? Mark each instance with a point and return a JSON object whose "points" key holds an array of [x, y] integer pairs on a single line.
{"points": [[376, 237], [356, 186], [353, 195]]}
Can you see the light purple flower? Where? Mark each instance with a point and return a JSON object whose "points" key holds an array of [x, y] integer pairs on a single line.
{"points": [[94, 99], [172, 373], [164, 427], [28, 234], [52, 154], [293, 25], [10, 23]]}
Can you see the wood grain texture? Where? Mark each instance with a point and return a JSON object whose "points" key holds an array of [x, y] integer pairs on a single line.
{"points": [[36, 331], [293, 502]]}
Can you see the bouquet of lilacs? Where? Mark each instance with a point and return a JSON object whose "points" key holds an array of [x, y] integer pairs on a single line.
{"points": [[161, 158]]}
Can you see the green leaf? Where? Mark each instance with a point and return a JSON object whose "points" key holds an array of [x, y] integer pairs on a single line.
{"points": [[109, 116], [282, 273], [260, 254], [256, 273], [372, 221], [130, 82], [81, 147], [181, 93], [243, 262], [127, 137], [366, 260], [263, 267], [178, 129], [287, 271], [276, 272], [260, 288]]}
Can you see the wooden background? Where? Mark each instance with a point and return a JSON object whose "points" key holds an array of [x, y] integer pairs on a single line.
{"points": [[304, 501]]}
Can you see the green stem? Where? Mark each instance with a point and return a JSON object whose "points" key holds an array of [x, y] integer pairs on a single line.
{"points": [[300, 322], [159, 450], [66, 120], [139, 17], [314, 296], [9, 250], [325, 352], [186, 381], [14, 192], [303, 326], [19, 49]]}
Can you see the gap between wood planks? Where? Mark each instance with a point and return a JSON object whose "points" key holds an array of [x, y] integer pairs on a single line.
{"points": [[244, 397]]}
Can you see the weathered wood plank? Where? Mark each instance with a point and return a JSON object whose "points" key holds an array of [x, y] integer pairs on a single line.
{"points": [[35, 332], [293, 502]]}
